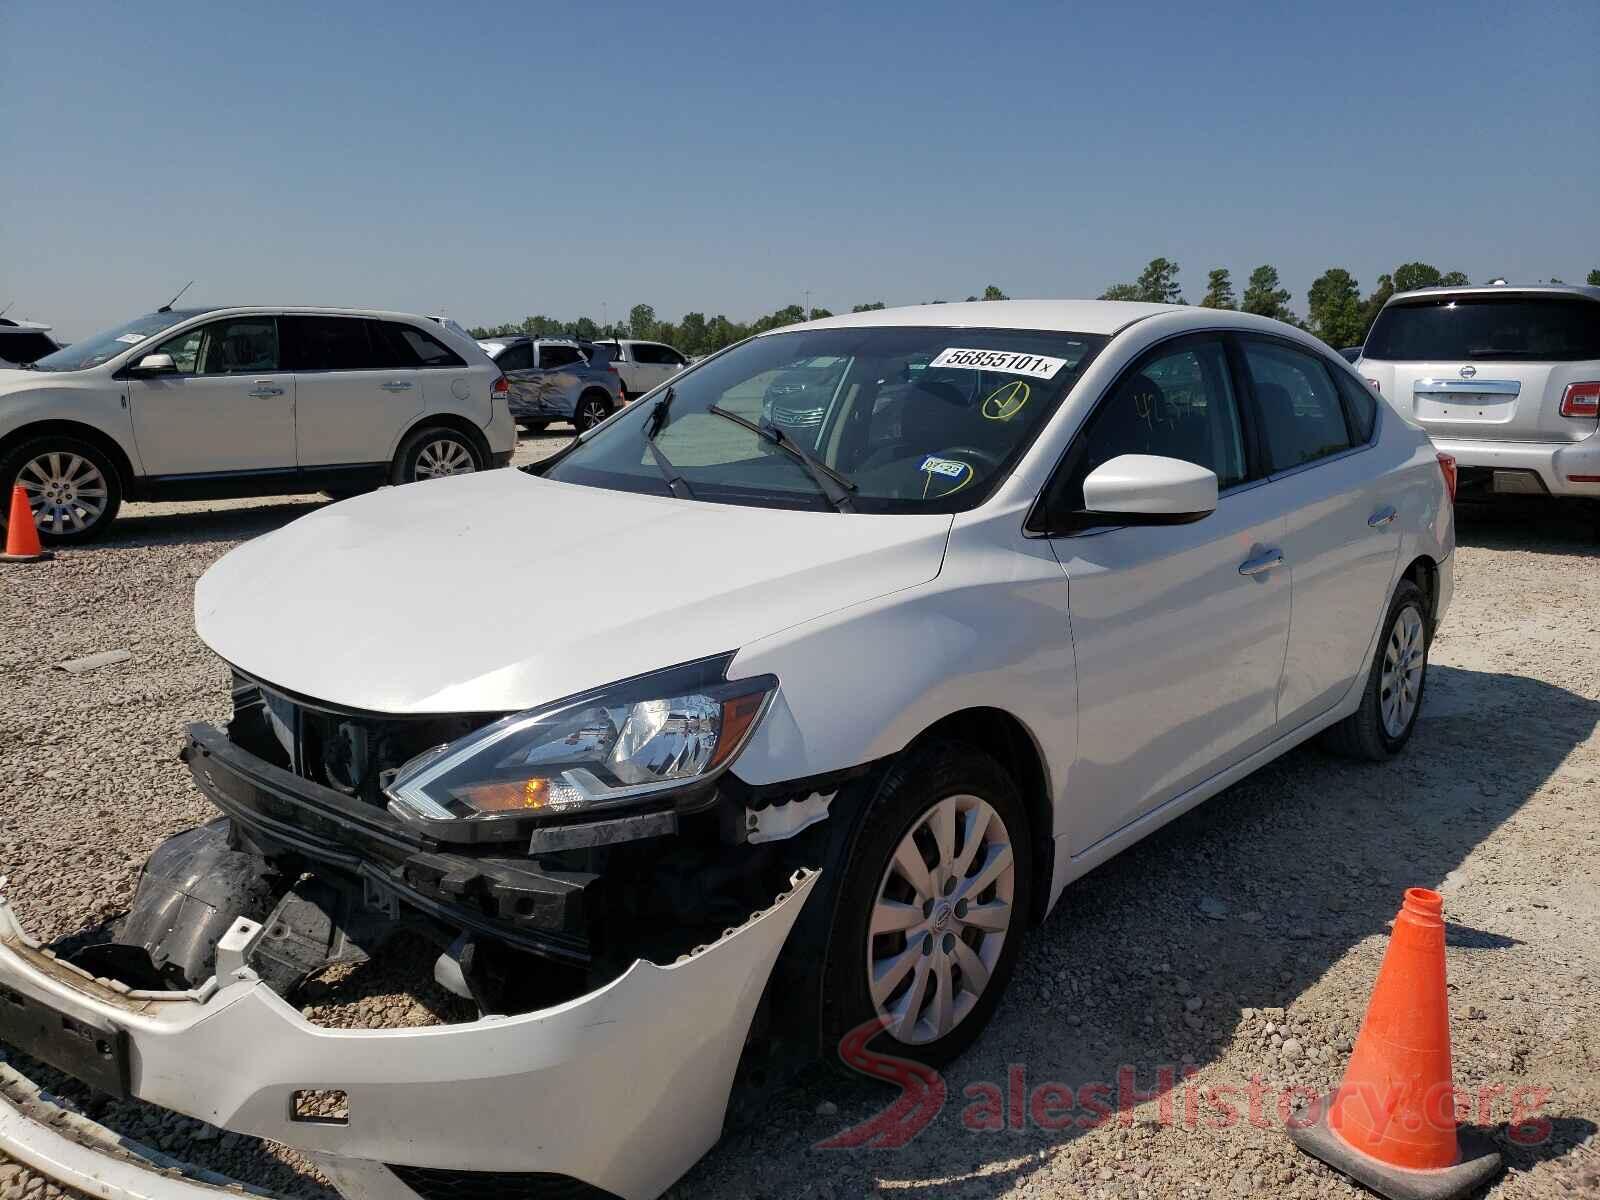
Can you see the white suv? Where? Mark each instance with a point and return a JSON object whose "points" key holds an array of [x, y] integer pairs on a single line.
{"points": [[642, 365], [1507, 379], [207, 403]]}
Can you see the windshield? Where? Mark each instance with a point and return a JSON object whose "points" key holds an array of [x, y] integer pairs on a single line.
{"points": [[1535, 328], [917, 419], [103, 347]]}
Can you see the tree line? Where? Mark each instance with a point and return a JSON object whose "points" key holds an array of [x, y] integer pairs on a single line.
{"points": [[694, 333], [1336, 311]]}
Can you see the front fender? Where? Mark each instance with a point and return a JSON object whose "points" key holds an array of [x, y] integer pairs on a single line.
{"points": [[990, 631], [101, 409]]}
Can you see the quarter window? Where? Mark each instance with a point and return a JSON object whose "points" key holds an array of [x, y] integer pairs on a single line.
{"points": [[415, 348], [1301, 417], [558, 356], [1360, 404]]}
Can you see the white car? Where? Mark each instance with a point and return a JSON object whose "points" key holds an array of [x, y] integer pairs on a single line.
{"points": [[1505, 378], [203, 403], [642, 365], [836, 717]]}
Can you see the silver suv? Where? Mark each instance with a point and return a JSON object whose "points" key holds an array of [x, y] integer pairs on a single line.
{"points": [[1505, 378], [557, 379]]}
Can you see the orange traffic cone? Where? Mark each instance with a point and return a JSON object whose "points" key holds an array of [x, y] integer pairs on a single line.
{"points": [[1392, 1123], [22, 535]]}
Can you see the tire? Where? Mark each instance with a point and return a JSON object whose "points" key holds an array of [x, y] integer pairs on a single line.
{"points": [[73, 486], [1379, 730], [433, 453], [535, 428], [593, 407], [974, 787]]}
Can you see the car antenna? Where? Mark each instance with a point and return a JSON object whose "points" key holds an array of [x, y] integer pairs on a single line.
{"points": [[7, 308], [167, 307]]}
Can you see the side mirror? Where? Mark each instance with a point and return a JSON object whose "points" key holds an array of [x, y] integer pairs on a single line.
{"points": [[155, 364], [1147, 489]]}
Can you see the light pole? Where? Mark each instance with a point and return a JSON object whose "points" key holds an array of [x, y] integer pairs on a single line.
{"points": [[605, 319], [808, 304]]}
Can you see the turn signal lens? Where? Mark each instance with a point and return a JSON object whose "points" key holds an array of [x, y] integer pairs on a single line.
{"points": [[1581, 400], [1447, 468]]}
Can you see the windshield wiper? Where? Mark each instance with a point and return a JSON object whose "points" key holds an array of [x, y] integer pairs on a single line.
{"points": [[835, 487], [676, 483]]}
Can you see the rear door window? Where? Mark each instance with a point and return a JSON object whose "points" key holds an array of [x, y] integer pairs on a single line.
{"points": [[331, 344], [1529, 328], [1302, 417], [516, 358]]}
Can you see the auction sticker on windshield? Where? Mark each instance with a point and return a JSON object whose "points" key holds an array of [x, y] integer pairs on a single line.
{"points": [[1010, 362]]}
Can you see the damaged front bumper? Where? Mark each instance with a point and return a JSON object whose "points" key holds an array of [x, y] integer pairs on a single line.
{"points": [[622, 1088]]}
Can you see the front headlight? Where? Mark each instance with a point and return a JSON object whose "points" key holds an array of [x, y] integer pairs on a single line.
{"points": [[654, 734]]}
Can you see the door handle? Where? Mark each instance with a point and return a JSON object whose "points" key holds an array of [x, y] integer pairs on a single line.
{"points": [[263, 389], [397, 385], [1262, 562], [1382, 517]]}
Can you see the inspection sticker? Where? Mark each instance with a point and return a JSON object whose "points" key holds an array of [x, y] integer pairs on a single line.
{"points": [[133, 338], [1012, 363], [951, 468]]}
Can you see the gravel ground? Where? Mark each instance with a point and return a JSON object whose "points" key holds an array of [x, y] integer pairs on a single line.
{"points": [[1239, 942]]}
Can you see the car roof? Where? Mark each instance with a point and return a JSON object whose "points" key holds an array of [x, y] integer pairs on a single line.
{"points": [[8, 325], [1068, 316], [1499, 289], [313, 310]]}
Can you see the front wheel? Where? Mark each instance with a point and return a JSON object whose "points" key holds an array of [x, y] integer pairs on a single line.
{"points": [[593, 407], [1392, 699], [71, 486], [931, 908], [434, 454]]}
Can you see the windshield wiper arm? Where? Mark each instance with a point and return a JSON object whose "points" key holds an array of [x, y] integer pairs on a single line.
{"points": [[835, 487], [676, 483]]}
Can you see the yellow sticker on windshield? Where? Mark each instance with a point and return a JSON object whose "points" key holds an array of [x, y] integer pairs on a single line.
{"points": [[1006, 401]]}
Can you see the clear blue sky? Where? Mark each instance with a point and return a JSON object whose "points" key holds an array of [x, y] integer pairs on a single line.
{"points": [[500, 160]]}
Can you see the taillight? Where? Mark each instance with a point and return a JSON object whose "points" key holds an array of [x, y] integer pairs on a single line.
{"points": [[1375, 386], [502, 387], [1581, 400], [1447, 468]]}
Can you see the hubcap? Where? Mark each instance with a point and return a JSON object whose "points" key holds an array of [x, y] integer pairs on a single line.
{"points": [[593, 413], [66, 492], [940, 919], [1404, 657], [443, 457]]}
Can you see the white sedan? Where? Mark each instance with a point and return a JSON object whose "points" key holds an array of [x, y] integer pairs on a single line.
{"points": [[1041, 577]]}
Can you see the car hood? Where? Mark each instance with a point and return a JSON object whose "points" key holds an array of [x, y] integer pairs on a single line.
{"points": [[499, 591], [15, 379]]}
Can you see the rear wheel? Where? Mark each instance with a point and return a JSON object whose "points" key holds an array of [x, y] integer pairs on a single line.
{"points": [[1392, 700], [433, 454], [931, 907], [593, 407], [71, 486]]}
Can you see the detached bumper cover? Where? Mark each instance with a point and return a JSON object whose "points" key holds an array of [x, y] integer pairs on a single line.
{"points": [[623, 1088]]}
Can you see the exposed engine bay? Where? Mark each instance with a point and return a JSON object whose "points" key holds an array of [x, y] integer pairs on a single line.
{"points": [[308, 851]]}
